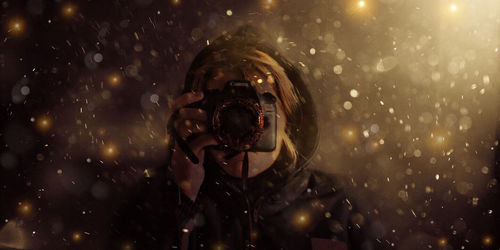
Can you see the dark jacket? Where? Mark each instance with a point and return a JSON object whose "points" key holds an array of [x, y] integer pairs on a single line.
{"points": [[285, 207]]}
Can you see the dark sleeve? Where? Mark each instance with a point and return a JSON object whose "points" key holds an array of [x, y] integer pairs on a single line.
{"points": [[349, 224], [365, 232], [154, 218]]}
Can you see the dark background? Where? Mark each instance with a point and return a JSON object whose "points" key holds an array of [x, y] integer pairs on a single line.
{"points": [[407, 93]]}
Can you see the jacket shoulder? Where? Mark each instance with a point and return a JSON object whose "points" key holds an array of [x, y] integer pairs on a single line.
{"points": [[323, 183]]}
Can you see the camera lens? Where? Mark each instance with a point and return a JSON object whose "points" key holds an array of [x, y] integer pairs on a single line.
{"points": [[238, 123]]}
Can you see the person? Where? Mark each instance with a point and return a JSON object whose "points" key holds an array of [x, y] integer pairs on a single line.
{"points": [[248, 200]]}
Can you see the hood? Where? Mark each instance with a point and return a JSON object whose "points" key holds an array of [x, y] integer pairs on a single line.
{"points": [[303, 131]]}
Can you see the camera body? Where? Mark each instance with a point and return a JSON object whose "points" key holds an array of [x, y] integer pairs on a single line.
{"points": [[240, 118]]}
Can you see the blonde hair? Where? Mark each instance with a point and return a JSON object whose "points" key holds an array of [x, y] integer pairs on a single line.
{"points": [[249, 61]]}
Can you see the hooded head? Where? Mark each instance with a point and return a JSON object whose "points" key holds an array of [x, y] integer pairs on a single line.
{"points": [[249, 49]]}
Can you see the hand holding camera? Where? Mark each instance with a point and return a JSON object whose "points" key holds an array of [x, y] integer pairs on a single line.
{"points": [[234, 119], [189, 122]]}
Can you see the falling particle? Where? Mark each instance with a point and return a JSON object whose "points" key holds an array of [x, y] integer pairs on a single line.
{"points": [[354, 93], [433, 160], [391, 110], [59, 171], [348, 105], [25, 90], [417, 153], [485, 170], [229, 12], [97, 57], [337, 69], [88, 160], [312, 51], [437, 177], [154, 98], [475, 201], [386, 64], [381, 141], [486, 79], [366, 133], [374, 128]]}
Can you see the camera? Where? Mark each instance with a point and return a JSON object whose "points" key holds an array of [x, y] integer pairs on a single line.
{"points": [[240, 118]]}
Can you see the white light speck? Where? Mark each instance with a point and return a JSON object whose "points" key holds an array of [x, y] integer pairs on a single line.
{"points": [[354, 93], [348, 105]]}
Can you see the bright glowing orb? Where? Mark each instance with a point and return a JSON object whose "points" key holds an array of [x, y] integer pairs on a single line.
{"points": [[453, 7]]}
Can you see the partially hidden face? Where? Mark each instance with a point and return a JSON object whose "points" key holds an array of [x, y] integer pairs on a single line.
{"points": [[258, 161]]}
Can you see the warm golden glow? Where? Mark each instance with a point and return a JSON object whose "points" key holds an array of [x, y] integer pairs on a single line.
{"points": [[109, 151], [218, 246], [442, 242], [176, 2], [77, 236], [44, 123], [487, 240], [68, 10], [453, 7], [361, 4], [16, 26], [114, 80], [349, 134], [25, 208], [269, 4], [301, 219], [127, 246]]}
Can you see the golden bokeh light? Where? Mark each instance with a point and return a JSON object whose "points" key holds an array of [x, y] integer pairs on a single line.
{"points": [[487, 240], [176, 2], [442, 242], [114, 79], [127, 246], [218, 246], [16, 26], [361, 4], [68, 10], [44, 123], [269, 4], [76, 236], [350, 134], [301, 219], [109, 151], [25, 208]]}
